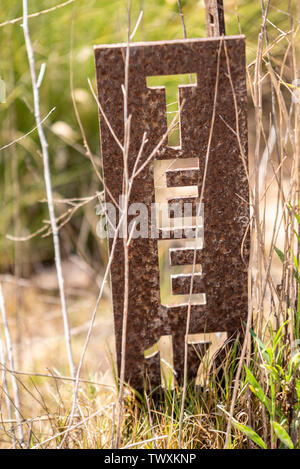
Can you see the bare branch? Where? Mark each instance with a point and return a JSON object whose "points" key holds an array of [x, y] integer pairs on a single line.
{"points": [[47, 177], [38, 13]]}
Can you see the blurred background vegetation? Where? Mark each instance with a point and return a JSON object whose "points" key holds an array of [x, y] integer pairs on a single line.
{"points": [[22, 192]]}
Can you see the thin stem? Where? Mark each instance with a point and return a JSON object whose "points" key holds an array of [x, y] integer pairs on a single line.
{"points": [[47, 178], [10, 354], [125, 233], [5, 389], [188, 320]]}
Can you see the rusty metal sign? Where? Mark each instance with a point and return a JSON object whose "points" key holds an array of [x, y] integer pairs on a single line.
{"points": [[213, 147]]}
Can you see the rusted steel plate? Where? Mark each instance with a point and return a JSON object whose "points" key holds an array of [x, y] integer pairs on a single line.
{"points": [[181, 284], [182, 177], [176, 206], [184, 257], [226, 210]]}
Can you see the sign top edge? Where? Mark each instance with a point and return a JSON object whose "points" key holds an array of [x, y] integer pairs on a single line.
{"points": [[172, 41]]}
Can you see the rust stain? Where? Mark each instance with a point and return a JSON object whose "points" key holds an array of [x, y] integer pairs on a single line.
{"points": [[226, 210]]}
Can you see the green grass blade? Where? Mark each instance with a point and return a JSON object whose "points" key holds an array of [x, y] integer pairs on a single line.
{"points": [[250, 434], [283, 435]]}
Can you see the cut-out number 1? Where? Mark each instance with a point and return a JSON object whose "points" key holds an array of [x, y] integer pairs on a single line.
{"points": [[164, 346]]}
